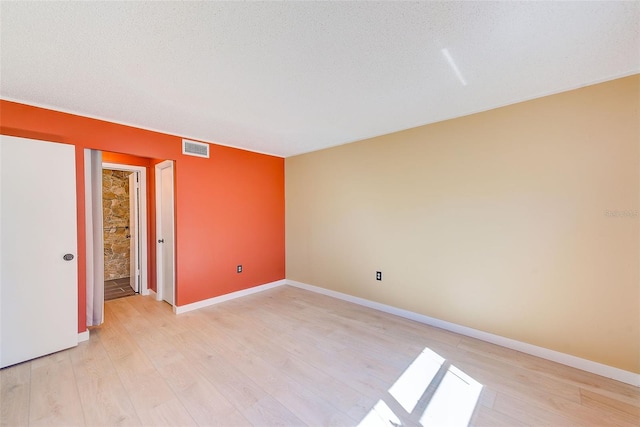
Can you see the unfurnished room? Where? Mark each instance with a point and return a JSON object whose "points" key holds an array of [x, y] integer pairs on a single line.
{"points": [[320, 213]]}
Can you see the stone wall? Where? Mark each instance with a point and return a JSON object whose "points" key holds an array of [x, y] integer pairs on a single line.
{"points": [[115, 203]]}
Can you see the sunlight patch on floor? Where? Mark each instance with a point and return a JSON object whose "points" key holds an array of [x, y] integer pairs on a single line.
{"points": [[381, 415], [431, 392], [413, 382], [454, 401]]}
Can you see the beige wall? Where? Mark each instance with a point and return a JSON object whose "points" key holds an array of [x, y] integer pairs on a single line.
{"points": [[498, 221]]}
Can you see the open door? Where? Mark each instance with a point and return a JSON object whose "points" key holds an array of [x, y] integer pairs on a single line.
{"points": [[38, 263], [165, 253], [134, 223]]}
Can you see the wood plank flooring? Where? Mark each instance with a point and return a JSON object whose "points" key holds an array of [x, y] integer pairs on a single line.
{"points": [[290, 357], [117, 288]]}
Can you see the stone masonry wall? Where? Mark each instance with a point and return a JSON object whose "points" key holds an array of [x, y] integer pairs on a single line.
{"points": [[115, 205]]}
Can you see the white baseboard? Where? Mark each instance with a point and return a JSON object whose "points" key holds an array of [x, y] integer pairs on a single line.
{"points": [[222, 298], [83, 336], [151, 293], [544, 353]]}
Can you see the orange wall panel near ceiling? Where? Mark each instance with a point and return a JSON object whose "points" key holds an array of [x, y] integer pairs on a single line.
{"points": [[229, 207]]}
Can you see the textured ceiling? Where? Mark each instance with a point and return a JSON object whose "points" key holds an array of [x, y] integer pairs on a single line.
{"points": [[289, 78]]}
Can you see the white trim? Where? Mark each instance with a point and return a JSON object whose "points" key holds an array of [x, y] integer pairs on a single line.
{"points": [[83, 336], [222, 298], [544, 353], [94, 233], [89, 231], [165, 131], [166, 164], [143, 218], [152, 293]]}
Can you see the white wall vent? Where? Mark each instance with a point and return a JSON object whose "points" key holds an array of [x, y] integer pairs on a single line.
{"points": [[193, 148]]}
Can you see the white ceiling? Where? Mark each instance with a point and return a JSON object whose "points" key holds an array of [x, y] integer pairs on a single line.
{"points": [[289, 78]]}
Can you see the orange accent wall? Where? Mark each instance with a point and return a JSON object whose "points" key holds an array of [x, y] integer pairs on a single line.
{"points": [[126, 159], [229, 208]]}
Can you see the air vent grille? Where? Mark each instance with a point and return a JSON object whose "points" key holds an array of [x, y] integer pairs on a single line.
{"points": [[193, 148]]}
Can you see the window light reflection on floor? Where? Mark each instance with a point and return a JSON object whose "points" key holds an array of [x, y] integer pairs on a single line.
{"points": [[454, 400], [430, 391], [413, 382], [380, 415]]}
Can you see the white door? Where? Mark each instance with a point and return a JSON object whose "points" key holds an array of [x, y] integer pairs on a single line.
{"points": [[134, 258], [165, 231], [38, 241]]}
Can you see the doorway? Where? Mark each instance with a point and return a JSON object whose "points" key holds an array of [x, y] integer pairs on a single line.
{"points": [[124, 228], [93, 167]]}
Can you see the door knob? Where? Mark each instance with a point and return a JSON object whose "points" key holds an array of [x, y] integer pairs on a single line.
{"points": [[67, 257], [160, 240]]}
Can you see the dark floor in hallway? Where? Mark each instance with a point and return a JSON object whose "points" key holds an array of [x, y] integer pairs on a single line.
{"points": [[117, 288]]}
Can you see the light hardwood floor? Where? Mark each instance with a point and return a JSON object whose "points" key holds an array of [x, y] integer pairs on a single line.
{"points": [[291, 357]]}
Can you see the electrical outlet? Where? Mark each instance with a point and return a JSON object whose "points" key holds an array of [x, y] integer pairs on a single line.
{"points": [[239, 268], [378, 275]]}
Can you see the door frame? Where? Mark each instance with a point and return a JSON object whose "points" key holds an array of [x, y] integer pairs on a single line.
{"points": [[142, 224], [134, 232], [159, 262]]}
